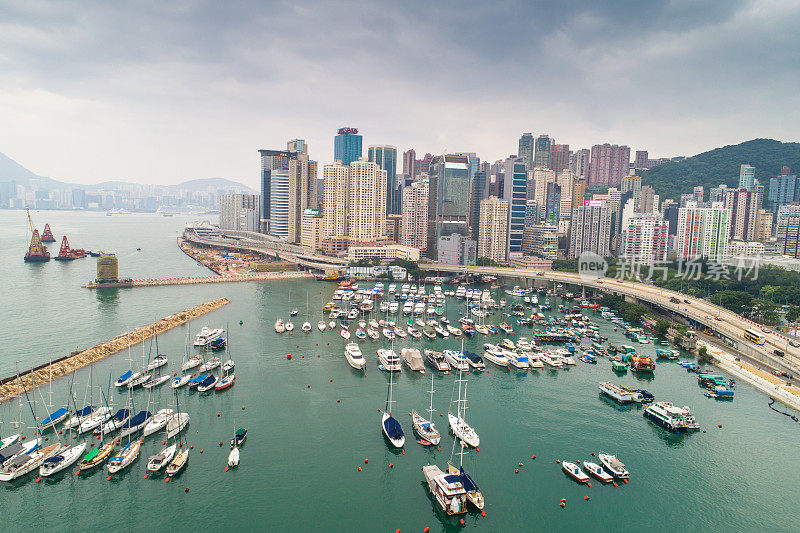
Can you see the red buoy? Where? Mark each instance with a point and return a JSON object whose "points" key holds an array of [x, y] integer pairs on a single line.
{"points": [[108, 478], [167, 480], [516, 470], [145, 476], [483, 513], [533, 457], [366, 460], [186, 489], [585, 497], [289, 356], [391, 465], [359, 469], [226, 468]]}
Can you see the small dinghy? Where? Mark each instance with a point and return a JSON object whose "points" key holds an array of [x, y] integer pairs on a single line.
{"points": [[598, 472]]}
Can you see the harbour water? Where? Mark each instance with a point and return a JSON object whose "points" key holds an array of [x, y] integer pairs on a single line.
{"points": [[308, 435]]}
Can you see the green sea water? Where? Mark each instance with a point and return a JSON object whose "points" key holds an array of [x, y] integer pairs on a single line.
{"points": [[308, 435]]}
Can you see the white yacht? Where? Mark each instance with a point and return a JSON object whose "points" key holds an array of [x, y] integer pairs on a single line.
{"points": [[389, 360], [207, 335], [494, 355], [447, 490], [354, 357], [456, 359], [517, 359], [671, 417]]}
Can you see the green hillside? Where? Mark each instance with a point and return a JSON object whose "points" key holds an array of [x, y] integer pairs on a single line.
{"points": [[721, 165]]}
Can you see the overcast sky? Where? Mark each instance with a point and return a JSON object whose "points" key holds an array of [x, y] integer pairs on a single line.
{"points": [[161, 92]]}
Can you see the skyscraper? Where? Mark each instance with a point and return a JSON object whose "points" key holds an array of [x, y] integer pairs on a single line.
{"points": [[415, 215], [579, 163], [347, 145], [239, 212], [783, 190], [609, 163], [336, 199], [541, 157], [479, 192], [541, 177], [525, 151], [744, 206], [367, 209], [302, 187], [644, 239], [590, 229], [787, 230], [559, 157], [747, 176], [552, 203], [271, 160], [279, 188], [410, 163], [448, 199], [386, 159], [493, 229], [515, 191]]}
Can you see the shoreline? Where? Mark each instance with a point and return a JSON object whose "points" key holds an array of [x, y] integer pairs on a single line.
{"points": [[12, 386]]}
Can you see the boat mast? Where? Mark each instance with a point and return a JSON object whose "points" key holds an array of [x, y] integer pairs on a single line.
{"points": [[431, 409]]}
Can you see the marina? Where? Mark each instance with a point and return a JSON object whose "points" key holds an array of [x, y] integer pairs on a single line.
{"points": [[551, 413]]}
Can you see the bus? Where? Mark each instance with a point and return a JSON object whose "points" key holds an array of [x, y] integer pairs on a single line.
{"points": [[754, 336]]}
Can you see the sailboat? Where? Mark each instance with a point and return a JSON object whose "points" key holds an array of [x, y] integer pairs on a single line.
{"points": [[306, 325], [229, 364], [288, 326], [159, 360], [474, 494], [98, 455], [239, 435], [425, 428], [458, 425], [178, 463], [390, 426], [228, 377]]}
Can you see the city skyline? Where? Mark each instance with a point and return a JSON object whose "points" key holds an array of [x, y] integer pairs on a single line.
{"points": [[190, 92]]}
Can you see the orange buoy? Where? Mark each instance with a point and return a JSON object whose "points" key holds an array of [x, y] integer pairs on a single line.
{"points": [[167, 480], [47, 438], [519, 464], [219, 414], [426, 529], [163, 442], [366, 460], [108, 478], [359, 469], [592, 454], [220, 444], [226, 468], [477, 449], [590, 484], [563, 499], [38, 479], [562, 504], [585, 497], [77, 472], [718, 425], [625, 480], [391, 465], [338, 401], [462, 521], [145, 476], [516, 470], [243, 408], [186, 489], [558, 460], [533, 457], [404, 452], [191, 446], [60, 432], [615, 484], [483, 513], [308, 386]]}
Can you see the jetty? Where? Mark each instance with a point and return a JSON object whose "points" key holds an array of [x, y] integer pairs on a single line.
{"points": [[11, 386]]}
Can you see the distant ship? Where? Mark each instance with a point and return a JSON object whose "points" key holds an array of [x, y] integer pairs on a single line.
{"points": [[37, 253]]}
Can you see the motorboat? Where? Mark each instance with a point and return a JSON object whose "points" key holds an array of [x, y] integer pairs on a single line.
{"points": [[437, 360], [575, 472], [354, 357], [233, 457], [288, 326], [475, 361], [388, 360], [321, 326], [207, 335], [414, 332], [400, 332], [671, 417], [597, 471], [239, 437], [614, 466], [517, 359], [456, 359], [453, 330], [279, 326], [620, 394], [162, 458], [208, 383], [447, 490], [413, 359], [388, 333], [495, 355], [128, 455]]}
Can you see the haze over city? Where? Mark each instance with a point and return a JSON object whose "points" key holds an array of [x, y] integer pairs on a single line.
{"points": [[161, 93]]}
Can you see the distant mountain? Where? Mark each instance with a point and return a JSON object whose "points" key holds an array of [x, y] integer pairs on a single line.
{"points": [[10, 170], [721, 165]]}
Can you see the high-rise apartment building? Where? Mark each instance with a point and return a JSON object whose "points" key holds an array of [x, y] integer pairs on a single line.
{"points": [[336, 199], [456, 249], [578, 191], [493, 229], [394, 228], [609, 163], [347, 146], [787, 230], [367, 208], [311, 229], [559, 157], [279, 194], [644, 239], [526, 149], [386, 159], [579, 163], [271, 160], [541, 156], [541, 177], [703, 232], [783, 190], [515, 191], [544, 241], [744, 205], [565, 181], [717, 194], [648, 200], [552, 204], [640, 161], [764, 225], [240, 212], [415, 215], [747, 177], [448, 199], [590, 228]]}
